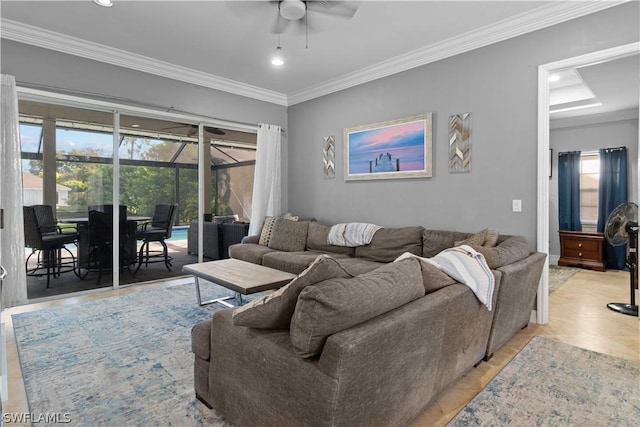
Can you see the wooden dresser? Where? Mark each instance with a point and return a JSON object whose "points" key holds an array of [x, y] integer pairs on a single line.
{"points": [[582, 249]]}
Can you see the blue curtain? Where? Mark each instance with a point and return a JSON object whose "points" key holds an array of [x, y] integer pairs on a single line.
{"points": [[612, 192], [569, 191]]}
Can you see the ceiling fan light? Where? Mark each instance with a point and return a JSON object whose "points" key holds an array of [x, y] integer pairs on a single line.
{"points": [[292, 10], [103, 3]]}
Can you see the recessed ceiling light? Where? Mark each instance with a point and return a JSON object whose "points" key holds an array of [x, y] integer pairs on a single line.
{"points": [[103, 3]]}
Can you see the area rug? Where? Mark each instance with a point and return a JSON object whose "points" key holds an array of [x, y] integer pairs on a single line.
{"points": [[558, 276], [119, 361], [555, 384]]}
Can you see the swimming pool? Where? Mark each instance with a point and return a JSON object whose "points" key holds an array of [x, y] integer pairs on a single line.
{"points": [[179, 232]]}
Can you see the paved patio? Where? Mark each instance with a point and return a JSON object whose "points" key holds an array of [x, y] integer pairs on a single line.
{"points": [[69, 282]]}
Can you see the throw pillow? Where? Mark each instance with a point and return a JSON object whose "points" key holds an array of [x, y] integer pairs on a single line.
{"points": [[334, 305], [267, 227], [274, 311], [476, 239], [289, 236], [491, 239], [433, 278]]}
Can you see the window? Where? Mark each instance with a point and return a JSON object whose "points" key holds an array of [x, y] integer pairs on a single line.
{"points": [[589, 179]]}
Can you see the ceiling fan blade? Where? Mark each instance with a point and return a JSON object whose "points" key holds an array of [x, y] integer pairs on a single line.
{"points": [[337, 8], [215, 131]]}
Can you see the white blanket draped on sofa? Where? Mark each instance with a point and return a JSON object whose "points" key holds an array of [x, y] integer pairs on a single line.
{"points": [[352, 234], [467, 266]]}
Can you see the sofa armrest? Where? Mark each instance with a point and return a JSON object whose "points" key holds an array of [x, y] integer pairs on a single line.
{"points": [[255, 376], [516, 297], [251, 239]]}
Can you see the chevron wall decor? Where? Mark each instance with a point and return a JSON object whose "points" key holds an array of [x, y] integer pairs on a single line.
{"points": [[329, 157], [460, 143]]}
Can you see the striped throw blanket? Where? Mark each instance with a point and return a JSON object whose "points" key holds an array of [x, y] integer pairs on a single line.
{"points": [[352, 234], [467, 266]]}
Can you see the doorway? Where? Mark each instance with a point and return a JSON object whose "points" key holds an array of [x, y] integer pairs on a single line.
{"points": [[544, 167]]}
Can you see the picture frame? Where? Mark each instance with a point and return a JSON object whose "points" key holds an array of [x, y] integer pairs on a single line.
{"points": [[394, 149]]}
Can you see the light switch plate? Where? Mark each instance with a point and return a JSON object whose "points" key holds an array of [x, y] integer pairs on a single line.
{"points": [[517, 205]]}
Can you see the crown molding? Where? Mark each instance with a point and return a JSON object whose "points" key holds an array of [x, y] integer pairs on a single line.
{"points": [[539, 18], [594, 119], [46, 39], [542, 17]]}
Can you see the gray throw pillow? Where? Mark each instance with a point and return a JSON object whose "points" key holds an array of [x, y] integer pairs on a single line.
{"points": [[476, 239], [289, 236], [433, 278], [274, 311], [338, 304]]}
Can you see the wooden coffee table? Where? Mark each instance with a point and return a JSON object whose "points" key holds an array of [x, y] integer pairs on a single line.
{"points": [[242, 277]]}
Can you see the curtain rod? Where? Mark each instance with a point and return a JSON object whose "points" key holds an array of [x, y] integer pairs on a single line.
{"points": [[592, 152], [128, 101]]}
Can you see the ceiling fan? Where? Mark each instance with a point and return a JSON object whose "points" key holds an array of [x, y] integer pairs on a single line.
{"points": [[293, 15], [193, 130], [622, 229]]}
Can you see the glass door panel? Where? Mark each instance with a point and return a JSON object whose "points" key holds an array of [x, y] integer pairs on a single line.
{"points": [[158, 173]]}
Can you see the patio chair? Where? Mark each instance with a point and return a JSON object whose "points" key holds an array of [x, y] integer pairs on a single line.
{"points": [[157, 230], [48, 222], [48, 245], [100, 240]]}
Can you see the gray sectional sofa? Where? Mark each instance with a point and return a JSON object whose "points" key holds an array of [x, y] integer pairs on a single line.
{"points": [[369, 342]]}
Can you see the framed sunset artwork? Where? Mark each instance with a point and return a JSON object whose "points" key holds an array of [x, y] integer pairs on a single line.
{"points": [[389, 150]]}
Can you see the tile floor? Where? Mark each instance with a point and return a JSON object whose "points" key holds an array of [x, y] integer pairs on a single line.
{"points": [[578, 316]]}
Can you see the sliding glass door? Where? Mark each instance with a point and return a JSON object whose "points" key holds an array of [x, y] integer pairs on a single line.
{"points": [[82, 158]]}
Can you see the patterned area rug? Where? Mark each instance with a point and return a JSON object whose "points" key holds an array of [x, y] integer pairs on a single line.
{"points": [[558, 275], [554, 384], [119, 361]]}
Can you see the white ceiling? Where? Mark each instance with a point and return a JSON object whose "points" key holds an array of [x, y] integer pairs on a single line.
{"points": [[228, 46]]}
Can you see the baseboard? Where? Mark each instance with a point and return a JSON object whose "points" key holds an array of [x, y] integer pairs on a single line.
{"points": [[553, 259], [533, 318]]}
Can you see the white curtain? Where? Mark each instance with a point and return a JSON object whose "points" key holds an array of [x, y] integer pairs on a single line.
{"points": [[14, 287], [267, 183]]}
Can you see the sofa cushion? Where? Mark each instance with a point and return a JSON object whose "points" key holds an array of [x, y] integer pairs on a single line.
{"points": [[250, 252], [433, 278], [338, 304], [435, 241], [389, 243], [317, 240], [508, 251], [274, 311], [289, 235], [356, 266], [476, 239], [294, 262]]}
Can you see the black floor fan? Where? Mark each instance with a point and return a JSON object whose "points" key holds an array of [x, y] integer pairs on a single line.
{"points": [[622, 228]]}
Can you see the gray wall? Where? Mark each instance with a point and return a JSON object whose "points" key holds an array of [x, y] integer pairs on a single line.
{"points": [[34, 65], [497, 84], [590, 138]]}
